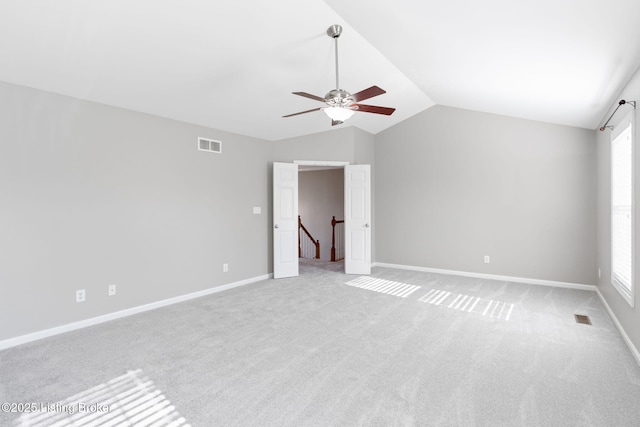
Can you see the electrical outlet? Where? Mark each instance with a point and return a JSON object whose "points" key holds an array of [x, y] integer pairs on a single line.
{"points": [[112, 290], [225, 268], [80, 295], [487, 260]]}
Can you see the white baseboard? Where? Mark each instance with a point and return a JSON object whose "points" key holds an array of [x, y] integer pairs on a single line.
{"points": [[23, 339], [625, 337], [491, 276]]}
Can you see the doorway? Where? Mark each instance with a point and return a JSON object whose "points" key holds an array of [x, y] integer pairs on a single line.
{"points": [[357, 217], [321, 198]]}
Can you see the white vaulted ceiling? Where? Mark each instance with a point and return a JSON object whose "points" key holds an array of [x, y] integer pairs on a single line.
{"points": [[233, 65]]}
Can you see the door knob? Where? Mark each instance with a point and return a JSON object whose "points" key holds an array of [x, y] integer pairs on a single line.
{"points": [[366, 225], [276, 226]]}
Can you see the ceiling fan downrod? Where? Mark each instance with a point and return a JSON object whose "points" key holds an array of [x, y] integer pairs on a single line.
{"points": [[334, 32]]}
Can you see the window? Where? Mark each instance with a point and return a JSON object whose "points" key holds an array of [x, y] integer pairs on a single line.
{"points": [[622, 209]]}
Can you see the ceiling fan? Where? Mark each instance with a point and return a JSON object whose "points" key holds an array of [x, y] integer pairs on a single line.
{"points": [[340, 104]]}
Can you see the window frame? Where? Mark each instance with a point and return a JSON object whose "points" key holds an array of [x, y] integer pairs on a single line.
{"points": [[627, 291]]}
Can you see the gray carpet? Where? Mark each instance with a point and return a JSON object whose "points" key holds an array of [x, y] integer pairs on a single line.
{"points": [[399, 348]]}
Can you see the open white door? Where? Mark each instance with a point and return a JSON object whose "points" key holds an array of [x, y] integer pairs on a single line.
{"points": [[357, 219], [285, 220]]}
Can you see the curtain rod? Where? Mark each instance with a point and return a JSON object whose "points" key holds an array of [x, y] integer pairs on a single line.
{"points": [[620, 104]]}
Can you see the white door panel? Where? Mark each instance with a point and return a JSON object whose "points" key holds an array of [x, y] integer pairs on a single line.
{"points": [[358, 252], [357, 219], [285, 220]]}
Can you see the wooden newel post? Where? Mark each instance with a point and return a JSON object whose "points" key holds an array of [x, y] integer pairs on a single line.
{"points": [[299, 244], [333, 238]]}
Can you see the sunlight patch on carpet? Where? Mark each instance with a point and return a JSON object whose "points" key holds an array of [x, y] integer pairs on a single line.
{"points": [[384, 286], [470, 304], [127, 400]]}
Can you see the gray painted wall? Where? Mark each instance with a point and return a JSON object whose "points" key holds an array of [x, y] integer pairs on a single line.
{"points": [[458, 185], [347, 144], [335, 145], [93, 195], [321, 196], [628, 317]]}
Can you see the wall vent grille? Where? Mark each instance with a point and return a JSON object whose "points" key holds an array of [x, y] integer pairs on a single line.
{"points": [[210, 145]]}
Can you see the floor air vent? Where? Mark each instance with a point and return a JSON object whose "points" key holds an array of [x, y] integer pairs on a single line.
{"points": [[581, 318], [210, 145]]}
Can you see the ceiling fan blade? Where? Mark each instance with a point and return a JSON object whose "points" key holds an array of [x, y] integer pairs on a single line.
{"points": [[375, 109], [308, 95], [303, 112], [368, 93]]}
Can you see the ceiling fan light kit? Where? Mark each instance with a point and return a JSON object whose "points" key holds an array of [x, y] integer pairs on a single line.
{"points": [[340, 104], [339, 114]]}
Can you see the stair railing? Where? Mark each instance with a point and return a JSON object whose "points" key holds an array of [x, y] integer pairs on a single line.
{"points": [[308, 247]]}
